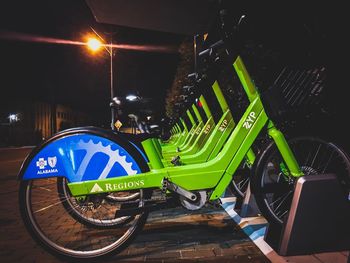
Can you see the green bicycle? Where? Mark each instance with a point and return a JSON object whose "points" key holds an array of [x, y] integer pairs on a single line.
{"points": [[96, 162], [84, 209]]}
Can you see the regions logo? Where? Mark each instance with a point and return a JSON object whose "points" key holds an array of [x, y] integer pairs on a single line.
{"points": [[124, 185], [117, 187], [96, 189]]}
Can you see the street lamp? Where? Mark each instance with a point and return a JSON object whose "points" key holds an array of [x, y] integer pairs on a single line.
{"points": [[94, 45]]}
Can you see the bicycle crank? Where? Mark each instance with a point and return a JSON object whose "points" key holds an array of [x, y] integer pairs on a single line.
{"points": [[167, 185], [189, 200], [195, 205]]}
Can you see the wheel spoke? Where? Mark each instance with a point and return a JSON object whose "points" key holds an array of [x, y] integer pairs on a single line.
{"points": [[243, 183], [47, 207], [328, 162], [314, 156], [283, 200], [53, 216]]}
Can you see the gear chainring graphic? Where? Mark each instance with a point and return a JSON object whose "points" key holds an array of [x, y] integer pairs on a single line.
{"points": [[92, 149], [82, 157]]}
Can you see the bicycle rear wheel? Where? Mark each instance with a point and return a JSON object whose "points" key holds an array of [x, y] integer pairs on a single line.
{"points": [[273, 188], [49, 222]]}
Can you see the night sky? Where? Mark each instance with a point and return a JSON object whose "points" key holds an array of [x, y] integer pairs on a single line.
{"points": [[70, 74]]}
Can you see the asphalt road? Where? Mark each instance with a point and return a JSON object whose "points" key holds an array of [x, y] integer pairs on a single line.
{"points": [[171, 235]]}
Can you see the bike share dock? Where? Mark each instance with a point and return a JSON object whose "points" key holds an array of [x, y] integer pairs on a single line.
{"points": [[302, 238]]}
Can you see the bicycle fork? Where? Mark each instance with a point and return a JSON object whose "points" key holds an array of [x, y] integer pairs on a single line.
{"points": [[285, 150]]}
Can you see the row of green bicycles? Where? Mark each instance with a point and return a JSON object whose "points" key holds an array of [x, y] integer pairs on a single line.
{"points": [[86, 193]]}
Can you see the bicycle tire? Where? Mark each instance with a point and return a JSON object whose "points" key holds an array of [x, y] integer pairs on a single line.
{"points": [[88, 235], [61, 233], [268, 183]]}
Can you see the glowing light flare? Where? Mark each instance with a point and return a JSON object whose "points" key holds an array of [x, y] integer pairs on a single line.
{"points": [[14, 36], [94, 44], [148, 48], [38, 39]]}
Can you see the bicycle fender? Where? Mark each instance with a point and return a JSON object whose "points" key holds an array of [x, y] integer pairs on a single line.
{"points": [[83, 154]]}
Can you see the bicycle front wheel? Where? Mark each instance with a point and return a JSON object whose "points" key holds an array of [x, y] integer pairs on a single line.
{"points": [[273, 186], [50, 223]]}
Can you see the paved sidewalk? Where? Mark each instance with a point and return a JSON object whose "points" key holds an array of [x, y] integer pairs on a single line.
{"points": [[205, 235]]}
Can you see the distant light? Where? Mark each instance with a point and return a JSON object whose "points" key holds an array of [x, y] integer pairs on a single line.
{"points": [[13, 117], [117, 101], [94, 44], [149, 117], [131, 97], [240, 20]]}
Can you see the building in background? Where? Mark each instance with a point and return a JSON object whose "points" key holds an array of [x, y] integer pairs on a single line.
{"points": [[26, 123]]}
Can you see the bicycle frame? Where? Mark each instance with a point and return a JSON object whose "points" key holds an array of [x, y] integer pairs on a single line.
{"points": [[219, 132], [215, 174], [194, 136], [211, 137], [201, 134], [214, 136], [187, 137]]}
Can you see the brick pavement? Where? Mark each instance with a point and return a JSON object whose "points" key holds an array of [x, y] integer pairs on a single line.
{"points": [[173, 235]]}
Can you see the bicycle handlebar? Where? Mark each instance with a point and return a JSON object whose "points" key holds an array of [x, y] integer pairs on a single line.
{"points": [[188, 89], [209, 50]]}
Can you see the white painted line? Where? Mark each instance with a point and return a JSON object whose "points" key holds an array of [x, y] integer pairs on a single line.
{"points": [[254, 228]]}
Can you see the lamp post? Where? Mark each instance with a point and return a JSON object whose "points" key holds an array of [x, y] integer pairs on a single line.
{"points": [[95, 44]]}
